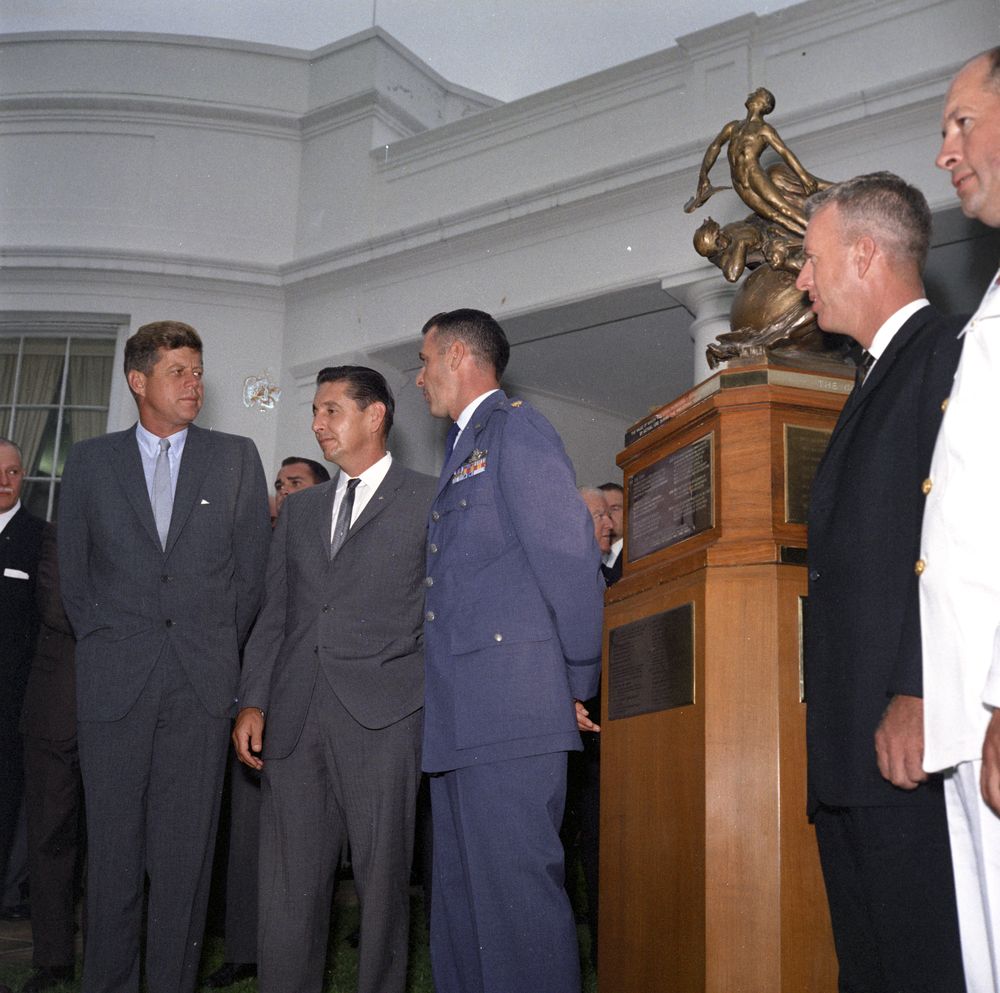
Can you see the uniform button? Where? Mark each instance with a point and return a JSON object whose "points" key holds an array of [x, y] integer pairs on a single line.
{"points": [[433, 548], [926, 486], [429, 615], [326, 608], [498, 636], [814, 575], [429, 581], [463, 503], [435, 516], [164, 579], [919, 567], [169, 623], [944, 404]]}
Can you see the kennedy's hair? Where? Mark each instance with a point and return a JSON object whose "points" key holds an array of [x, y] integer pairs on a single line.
{"points": [[884, 206], [478, 330], [364, 386], [319, 473], [143, 348]]}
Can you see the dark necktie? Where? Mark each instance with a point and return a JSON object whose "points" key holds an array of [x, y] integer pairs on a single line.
{"points": [[343, 518], [861, 373], [163, 494], [449, 444]]}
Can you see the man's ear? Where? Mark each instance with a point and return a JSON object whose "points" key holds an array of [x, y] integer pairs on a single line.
{"points": [[376, 416], [864, 254], [456, 352], [136, 382]]}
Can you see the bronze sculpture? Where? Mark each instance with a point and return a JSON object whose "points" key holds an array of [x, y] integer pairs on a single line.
{"points": [[768, 312]]}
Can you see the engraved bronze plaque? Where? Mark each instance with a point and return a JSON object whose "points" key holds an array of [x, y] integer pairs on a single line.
{"points": [[651, 664], [804, 447], [671, 500]]}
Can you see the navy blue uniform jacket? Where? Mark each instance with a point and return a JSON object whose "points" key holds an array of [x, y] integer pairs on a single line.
{"points": [[862, 632], [515, 596]]}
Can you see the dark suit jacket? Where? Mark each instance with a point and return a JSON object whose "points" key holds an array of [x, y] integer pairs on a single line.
{"points": [[357, 618], [515, 605], [127, 598], [864, 532], [50, 701], [20, 548]]}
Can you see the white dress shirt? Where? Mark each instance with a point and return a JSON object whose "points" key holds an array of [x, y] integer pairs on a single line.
{"points": [[6, 516], [887, 332], [149, 450], [466, 415], [960, 552], [370, 481]]}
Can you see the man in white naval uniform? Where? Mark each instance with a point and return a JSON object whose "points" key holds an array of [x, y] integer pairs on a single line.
{"points": [[959, 566]]}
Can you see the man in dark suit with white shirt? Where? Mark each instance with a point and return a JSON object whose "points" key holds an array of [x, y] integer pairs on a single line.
{"points": [[163, 533], [20, 549], [884, 849], [333, 692]]}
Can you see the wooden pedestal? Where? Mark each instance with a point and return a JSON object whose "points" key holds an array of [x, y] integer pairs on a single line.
{"points": [[710, 879]]}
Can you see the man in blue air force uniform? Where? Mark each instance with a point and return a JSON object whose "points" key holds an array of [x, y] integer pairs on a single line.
{"points": [[512, 638]]}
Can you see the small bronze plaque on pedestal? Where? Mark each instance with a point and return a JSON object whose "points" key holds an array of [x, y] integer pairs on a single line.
{"points": [[651, 664], [804, 447], [671, 499]]}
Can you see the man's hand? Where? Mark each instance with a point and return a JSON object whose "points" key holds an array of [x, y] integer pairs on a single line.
{"points": [[248, 736], [989, 780], [583, 721], [899, 742]]}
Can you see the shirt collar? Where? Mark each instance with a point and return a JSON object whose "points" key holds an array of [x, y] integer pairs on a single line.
{"points": [[887, 332], [5, 517], [466, 415], [611, 557], [149, 443], [372, 476]]}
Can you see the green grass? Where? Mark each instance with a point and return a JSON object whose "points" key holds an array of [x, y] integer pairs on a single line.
{"points": [[342, 960]]}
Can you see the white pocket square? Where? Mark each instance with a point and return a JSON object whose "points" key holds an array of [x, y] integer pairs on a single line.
{"points": [[204, 503], [15, 574]]}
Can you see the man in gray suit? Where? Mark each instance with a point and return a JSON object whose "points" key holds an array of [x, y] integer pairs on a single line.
{"points": [[163, 532], [335, 673]]}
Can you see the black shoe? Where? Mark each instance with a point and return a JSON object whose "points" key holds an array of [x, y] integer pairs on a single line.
{"points": [[47, 977], [19, 912], [229, 973]]}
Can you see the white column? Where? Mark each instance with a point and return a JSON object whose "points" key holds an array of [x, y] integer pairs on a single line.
{"points": [[709, 301]]}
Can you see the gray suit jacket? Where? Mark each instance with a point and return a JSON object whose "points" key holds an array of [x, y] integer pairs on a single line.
{"points": [[358, 619], [128, 599]]}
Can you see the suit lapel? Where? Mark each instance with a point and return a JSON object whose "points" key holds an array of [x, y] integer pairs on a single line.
{"points": [[325, 523], [128, 468], [380, 499], [860, 396], [195, 462], [467, 439]]}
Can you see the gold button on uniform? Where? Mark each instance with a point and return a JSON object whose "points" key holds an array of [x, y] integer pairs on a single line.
{"points": [[944, 404], [919, 567], [926, 486]]}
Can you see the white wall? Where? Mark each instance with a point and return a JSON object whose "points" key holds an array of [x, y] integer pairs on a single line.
{"points": [[248, 189]]}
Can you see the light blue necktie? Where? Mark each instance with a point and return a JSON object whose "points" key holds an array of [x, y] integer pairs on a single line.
{"points": [[163, 494]]}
